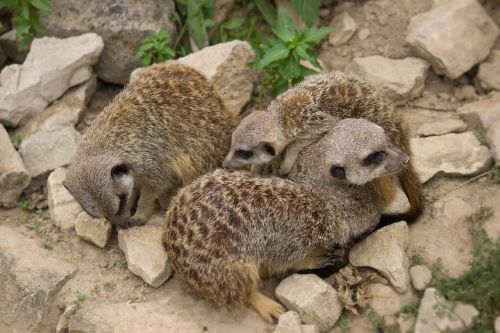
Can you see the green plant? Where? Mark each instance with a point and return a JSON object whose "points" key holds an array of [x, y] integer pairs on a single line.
{"points": [[281, 59], [23, 204], [47, 244], [18, 139], [416, 258], [80, 298], [495, 174], [155, 48], [194, 17], [343, 324], [26, 18], [409, 310], [379, 324]]}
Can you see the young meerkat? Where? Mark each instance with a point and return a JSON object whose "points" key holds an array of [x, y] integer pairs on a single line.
{"points": [[229, 229], [165, 129], [270, 140]]}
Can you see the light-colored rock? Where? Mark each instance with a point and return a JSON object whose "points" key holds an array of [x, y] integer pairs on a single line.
{"points": [[27, 89], [387, 302], [438, 315], [343, 27], [122, 24], [63, 323], [94, 230], [30, 278], [442, 127], [497, 325], [63, 208], [400, 79], [312, 298], [488, 76], [384, 250], [13, 174], [460, 154], [8, 43], [363, 34], [406, 324], [45, 151], [289, 322], [399, 205], [421, 277], [145, 254], [452, 208], [309, 329], [453, 36], [465, 92]]}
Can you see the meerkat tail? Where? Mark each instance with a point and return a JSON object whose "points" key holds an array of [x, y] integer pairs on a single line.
{"points": [[264, 306]]}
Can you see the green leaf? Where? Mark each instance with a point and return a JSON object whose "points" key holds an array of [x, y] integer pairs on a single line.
{"points": [[25, 11], [277, 52], [284, 24], [307, 9], [196, 24], [44, 5], [267, 11], [315, 35], [233, 23], [304, 55]]}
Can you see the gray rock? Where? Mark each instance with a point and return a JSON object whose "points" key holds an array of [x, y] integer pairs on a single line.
{"points": [[497, 325], [14, 177], [421, 277], [30, 278], [488, 76], [387, 302], [312, 298], [289, 322], [94, 230], [385, 251], [8, 43], [27, 89], [400, 79], [145, 254], [63, 323], [460, 154], [438, 315], [122, 24], [63, 208], [343, 27], [442, 127], [453, 36]]}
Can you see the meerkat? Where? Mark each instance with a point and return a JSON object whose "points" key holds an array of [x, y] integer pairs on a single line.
{"points": [[270, 140], [230, 229], [165, 129]]}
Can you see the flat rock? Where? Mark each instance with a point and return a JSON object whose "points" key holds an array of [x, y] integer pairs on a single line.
{"points": [[122, 24], [343, 27], [488, 76], [45, 151], [27, 89], [63, 208], [94, 230], [420, 276], [312, 298], [385, 251], [453, 36], [459, 154], [8, 43], [386, 301], [145, 254], [400, 79], [14, 177], [30, 278], [442, 127], [438, 315]]}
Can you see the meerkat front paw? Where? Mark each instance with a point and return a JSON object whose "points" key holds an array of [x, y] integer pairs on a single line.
{"points": [[266, 307], [136, 221]]}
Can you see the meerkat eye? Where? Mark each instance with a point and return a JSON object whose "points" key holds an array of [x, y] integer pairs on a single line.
{"points": [[269, 149], [375, 158], [243, 154], [337, 172]]}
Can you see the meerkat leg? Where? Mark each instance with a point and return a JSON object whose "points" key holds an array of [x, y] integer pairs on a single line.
{"points": [[145, 206], [291, 154], [265, 307], [317, 258]]}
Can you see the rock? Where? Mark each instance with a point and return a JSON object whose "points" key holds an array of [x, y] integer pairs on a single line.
{"points": [[45, 151], [420, 276], [460, 154], [145, 254], [399, 205], [452, 208], [222, 8], [442, 127], [63, 208], [438, 315], [453, 36], [387, 302], [400, 79], [363, 34], [466, 92], [27, 89], [122, 24], [497, 325], [94, 230], [488, 76], [8, 43], [289, 322], [30, 278], [343, 27], [384, 250], [312, 298], [14, 177], [63, 323]]}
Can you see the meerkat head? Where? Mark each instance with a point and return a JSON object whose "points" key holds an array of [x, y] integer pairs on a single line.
{"points": [[355, 151], [257, 139], [103, 186]]}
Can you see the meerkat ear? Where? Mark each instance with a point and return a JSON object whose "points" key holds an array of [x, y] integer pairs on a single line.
{"points": [[122, 177]]}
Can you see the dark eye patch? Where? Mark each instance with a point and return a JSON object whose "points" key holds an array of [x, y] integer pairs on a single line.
{"points": [[338, 172], [269, 150], [375, 158], [243, 154]]}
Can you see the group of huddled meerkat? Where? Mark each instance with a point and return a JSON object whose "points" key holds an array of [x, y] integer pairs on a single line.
{"points": [[322, 163]]}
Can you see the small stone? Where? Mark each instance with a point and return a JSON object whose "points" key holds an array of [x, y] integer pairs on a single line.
{"points": [[421, 277], [385, 251], [453, 36], [312, 298], [27, 89], [145, 254], [442, 127], [387, 302], [63, 323], [94, 230], [466, 92], [30, 278], [438, 315], [63, 208], [497, 325], [343, 27], [14, 177], [289, 322], [460, 154], [363, 34], [400, 79], [8, 43], [399, 205], [488, 76]]}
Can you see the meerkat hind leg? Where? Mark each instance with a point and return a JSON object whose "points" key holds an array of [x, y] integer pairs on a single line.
{"points": [[266, 307]]}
